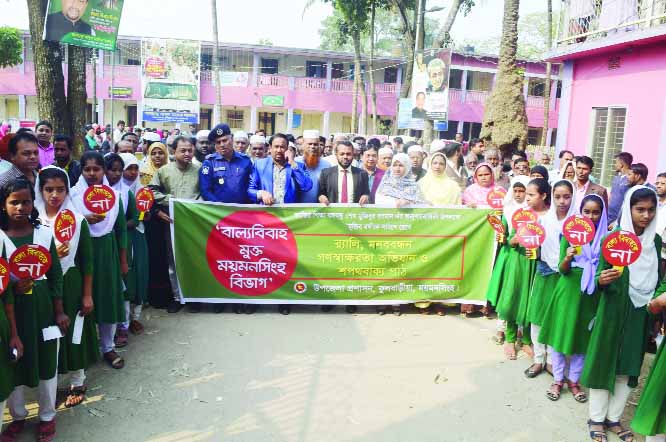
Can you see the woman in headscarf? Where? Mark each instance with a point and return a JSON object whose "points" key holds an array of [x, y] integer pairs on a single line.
{"points": [[569, 172], [568, 314], [157, 156], [398, 187], [620, 328], [438, 189], [539, 171], [484, 181]]}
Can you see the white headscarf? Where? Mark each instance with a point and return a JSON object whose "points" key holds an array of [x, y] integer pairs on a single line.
{"points": [[66, 262], [560, 175], [510, 205], [550, 249], [103, 227], [644, 273], [130, 160]]}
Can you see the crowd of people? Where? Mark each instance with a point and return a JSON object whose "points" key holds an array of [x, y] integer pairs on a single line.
{"points": [[581, 320]]}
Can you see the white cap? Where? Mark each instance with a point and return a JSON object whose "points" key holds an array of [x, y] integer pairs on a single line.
{"points": [[151, 136], [437, 145], [385, 151], [257, 139], [415, 148], [203, 134], [240, 135], [311, 133]]}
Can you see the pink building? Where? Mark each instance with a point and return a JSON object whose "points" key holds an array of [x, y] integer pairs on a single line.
{"points": [[613, 92], [283, 89]]}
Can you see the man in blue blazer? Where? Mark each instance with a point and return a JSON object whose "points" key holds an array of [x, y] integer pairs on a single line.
{"points": [[278, 179]]}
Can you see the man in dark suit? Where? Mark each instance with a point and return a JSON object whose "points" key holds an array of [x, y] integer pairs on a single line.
{"points": [[335, 183], [336, 186], [68, 20], [583, 185]]}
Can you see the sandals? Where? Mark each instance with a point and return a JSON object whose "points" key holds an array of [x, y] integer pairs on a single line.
{"points": [[578, 394], [597, 435], [76, 396], [46, 431], [114, 360], [499, 338], [555, 391], [122, 338], [12, 431], [136, 327], [623, 434], [532, 370], [510, 351]]}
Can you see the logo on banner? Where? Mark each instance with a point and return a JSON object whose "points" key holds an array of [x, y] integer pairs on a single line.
{"points": [[300, 287], [64, 226], [251, 253]]}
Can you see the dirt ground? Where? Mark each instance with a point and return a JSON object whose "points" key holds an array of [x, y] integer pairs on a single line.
{"points": [[314, 376]]}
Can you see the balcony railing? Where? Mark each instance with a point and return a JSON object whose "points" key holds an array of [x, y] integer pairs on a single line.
{"points": [[583, 20]]}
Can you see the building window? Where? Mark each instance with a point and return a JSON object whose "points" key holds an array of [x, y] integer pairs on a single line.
{"points": [[607, 140], [536, 87], [534, 136], [479, 81], [338, 70], [235, 119], [391, 75], [315, 69], [269, 66], [449, 134], [455, 79]]}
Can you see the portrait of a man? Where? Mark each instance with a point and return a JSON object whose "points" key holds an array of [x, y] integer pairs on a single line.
{"points": [[70, 19], [418, 111], [436, 75]]}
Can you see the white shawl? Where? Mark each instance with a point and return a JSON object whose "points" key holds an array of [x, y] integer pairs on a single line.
{"points": [[510, 205], [550, 249], [103, 227]]}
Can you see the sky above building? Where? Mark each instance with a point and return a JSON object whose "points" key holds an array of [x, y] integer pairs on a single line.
{"points": [[284, 23]]}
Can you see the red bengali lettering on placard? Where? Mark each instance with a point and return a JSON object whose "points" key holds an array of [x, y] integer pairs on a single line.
{"points": [[496, 224], [578, 230], [99, 198], [30, 261], [145, 198], [64, 226], [531, 235], [523, 216], [495, 197], [251, 253], [621, 248], [4, 275]]}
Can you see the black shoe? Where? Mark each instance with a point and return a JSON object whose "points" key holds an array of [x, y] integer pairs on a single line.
{"points": [[218, 308], [327, 308], [194, 307], [174, 307], [284, 309], [251, 308], [351, 309], [238, 308]]}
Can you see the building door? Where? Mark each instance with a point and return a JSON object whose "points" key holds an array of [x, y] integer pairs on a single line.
{"points": [[267, 122], [205, 117], [131, 115], [269, 66]]}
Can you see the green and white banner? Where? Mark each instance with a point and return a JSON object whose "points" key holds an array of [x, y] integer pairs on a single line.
{"points": [[310, 254], [87, 23]]}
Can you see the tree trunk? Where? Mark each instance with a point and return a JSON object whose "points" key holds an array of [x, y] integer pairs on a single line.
{"points": [[443, 34], [505, 120], [77, 96], [408, 27], [373, 92], [216, 65], [356, 38], [549, 68], [49, 79]]}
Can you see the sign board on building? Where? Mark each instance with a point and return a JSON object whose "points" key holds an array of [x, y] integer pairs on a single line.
{"points": [[272, 100], [120, 92], [234, 79]]}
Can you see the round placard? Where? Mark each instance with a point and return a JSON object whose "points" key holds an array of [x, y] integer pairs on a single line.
{"points": [[145, 198], [621, 248], [30, 261], [523, 216], [531, 235], [64, 226], [495, 197], [578, 230], [99, 198], [496, 224], [4, 275]]}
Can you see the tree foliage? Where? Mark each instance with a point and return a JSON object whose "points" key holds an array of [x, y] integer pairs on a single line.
{"points": [[11, 47]]}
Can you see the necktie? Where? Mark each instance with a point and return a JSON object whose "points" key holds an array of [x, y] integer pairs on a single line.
{"points": [[343, 197]]}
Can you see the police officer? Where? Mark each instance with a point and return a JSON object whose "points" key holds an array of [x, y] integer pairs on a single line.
{"points": [[225, 175]]}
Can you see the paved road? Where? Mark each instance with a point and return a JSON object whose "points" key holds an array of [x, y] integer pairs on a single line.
{"points": [[315, 376]]}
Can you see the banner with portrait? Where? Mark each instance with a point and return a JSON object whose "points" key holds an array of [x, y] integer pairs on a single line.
{"points": [[87, 23], [311, 254], [170, 72], [430, 85]]}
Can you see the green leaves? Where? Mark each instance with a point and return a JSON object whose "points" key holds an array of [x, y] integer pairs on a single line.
{"points": [[11, 47]]}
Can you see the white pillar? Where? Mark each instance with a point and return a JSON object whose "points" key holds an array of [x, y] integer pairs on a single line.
{"points": [[460, 127], [290, 120], [329, 74], [463, 86], [553, 95], [253, 119], [526, 87], [24, 55], [549, 136], [327, 124], [101, 103], [22, 107], [100, 63], [565, 106], [255, 69], [398, 82]]}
